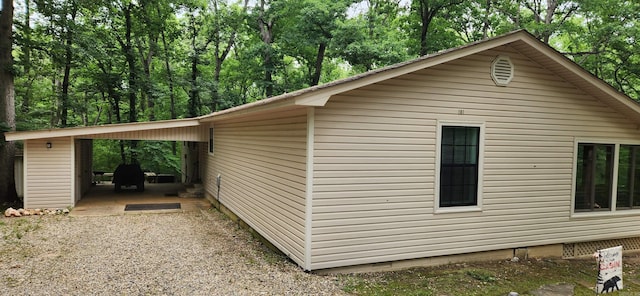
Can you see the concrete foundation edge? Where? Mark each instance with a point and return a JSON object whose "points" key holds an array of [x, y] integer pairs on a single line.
{"points": [[529, 252], [233, 217]]}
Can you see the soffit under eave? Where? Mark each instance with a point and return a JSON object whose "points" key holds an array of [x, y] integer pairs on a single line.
{"points": [[581, 78], [284, 105], [618, 101], [184, 134], [611, 97]]}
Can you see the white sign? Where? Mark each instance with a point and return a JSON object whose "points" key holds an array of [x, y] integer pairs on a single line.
{"points": [[609, 270]]}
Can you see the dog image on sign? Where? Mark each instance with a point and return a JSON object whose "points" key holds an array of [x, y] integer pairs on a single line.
{"points": [[609, 270]]}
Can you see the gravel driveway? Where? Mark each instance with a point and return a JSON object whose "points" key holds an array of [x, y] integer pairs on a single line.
{"points": [[200, 253]]}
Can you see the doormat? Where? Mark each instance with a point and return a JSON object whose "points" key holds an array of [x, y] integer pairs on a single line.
{"points": [[148, 207]]}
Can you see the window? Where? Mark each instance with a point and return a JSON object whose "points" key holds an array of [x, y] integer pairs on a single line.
{"points": [[459, 165], [628, 196], [211, 140], [596, 186], [594, 174]]}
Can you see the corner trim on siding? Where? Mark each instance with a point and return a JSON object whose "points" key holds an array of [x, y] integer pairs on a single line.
{"points": [[25, 180], [309, 188], [72, 169]]}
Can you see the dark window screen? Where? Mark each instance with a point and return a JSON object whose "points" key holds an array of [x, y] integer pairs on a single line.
{"points": [[459, 166], [210, 140]]}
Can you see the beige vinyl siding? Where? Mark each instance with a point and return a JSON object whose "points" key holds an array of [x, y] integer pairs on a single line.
{"points": [[49, 173], [375, 158], [262, 164]]}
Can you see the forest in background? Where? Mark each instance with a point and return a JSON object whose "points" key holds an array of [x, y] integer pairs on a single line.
{"points": [[91, 62]]}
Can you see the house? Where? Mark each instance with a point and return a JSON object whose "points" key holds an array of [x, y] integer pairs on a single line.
{"points": [[496, 148]]}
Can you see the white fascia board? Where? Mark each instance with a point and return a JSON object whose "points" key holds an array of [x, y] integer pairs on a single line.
{"points": [[99, 129]]}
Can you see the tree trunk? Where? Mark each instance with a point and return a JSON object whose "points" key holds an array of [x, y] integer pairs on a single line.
{"points": [[131, 62], [169, 77], [318, 68], [172, 97], [220, 57], [147, 83], [215, 93], [64, 96], [133, 79], [268, 72], [7, 105], [85, 109], [123, 156], [428, 9], [26, 100], [485, 22], [266, 33], [194, 93], [68, 59], [426, 16]]}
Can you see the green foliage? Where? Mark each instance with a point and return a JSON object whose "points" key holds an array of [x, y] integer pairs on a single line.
{"points": [[154, 156], [180, 58], [4, 127], [224, 39], [481, 275], [158, 157], [106, 155], [488, 278], [18, 228], [375, 38]]}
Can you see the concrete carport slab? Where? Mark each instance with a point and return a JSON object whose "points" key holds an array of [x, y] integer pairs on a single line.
{"points": [[101, 200]]}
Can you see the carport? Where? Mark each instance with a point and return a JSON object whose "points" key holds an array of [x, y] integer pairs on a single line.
{"points": [[58, 162], [101, 200]]}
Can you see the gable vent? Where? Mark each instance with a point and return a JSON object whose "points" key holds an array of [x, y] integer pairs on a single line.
{"points": [[502, 70]]}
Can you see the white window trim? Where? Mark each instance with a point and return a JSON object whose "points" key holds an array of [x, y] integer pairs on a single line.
{"points": [[458, 209], [211, 141], [614, 190]]}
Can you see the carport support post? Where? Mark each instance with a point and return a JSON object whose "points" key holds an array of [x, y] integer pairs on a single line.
{"points": [[191, 170]]}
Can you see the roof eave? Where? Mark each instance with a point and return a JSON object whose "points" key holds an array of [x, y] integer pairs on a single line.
{"points": [[99, 129], [281, 101], [584, 75], [320, 96]]}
